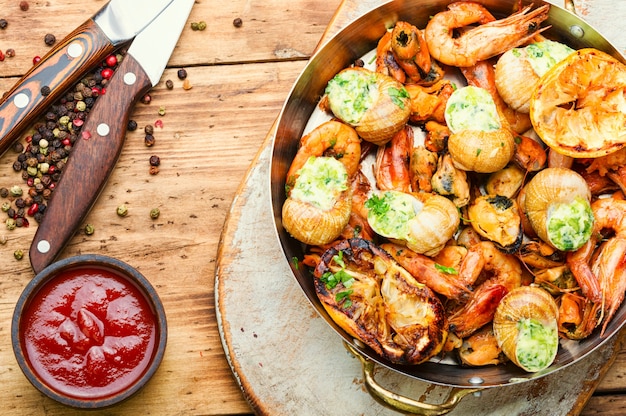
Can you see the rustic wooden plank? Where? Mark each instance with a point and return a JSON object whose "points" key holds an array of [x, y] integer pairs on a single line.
{"points": [[609, 405]]}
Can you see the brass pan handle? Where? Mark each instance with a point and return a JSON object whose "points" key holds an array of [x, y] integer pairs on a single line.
{"points": [[404, 404]]}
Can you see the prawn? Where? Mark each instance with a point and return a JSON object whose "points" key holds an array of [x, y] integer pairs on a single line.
{"points": [[332, 138], [483, 75], [578, 316], [386, 62], [358, 226], [426, 271], [429, 103], [505, 275], [492, 37], [392, 162]]}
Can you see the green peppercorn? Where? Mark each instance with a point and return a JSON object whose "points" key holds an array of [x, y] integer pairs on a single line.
{"points": [[81, 106], [201, 25], [122, 210], [154, 213], [6, 206], [16, 190], [18, 254], [11, 224], [89, 229], [161, 110], [194, 26]]}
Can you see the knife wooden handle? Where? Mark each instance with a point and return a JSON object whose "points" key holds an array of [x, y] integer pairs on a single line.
{"points": [[58, 71], [90, 163]]}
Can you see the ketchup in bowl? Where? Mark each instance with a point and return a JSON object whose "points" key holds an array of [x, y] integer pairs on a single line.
{"points": [[89, 331]]}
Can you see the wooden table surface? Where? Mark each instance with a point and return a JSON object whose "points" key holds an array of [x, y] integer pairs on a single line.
{"points": [[210, 135]]}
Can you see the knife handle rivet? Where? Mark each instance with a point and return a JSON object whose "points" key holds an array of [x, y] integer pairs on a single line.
{"points": [[43, 246], [130, 78], [103, 129], [21, 100], [75, 50]]}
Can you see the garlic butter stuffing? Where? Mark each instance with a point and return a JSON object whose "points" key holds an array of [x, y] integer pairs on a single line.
{"points": [[494, 221]]}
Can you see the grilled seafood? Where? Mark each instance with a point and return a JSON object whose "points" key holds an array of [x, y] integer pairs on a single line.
{"points": [[410, 50], [375, 300], [429, 102], [481, 348], [496, 218], [579, 106], [422, 167], [332, 138], [392, 162], [578, 316], [450, 181], [492, 37]]}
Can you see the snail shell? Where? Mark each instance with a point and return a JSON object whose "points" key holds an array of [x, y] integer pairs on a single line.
{"points": [[515, 80], [526, 327], [434, 225], [386, 103], [550, 190], [481, 151]]}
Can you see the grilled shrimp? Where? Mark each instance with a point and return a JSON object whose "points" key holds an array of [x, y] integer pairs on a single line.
{"points": [[392, 162], [492, 37]]}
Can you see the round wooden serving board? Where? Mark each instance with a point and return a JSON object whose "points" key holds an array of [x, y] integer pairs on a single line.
{"points": [[288, 360]]}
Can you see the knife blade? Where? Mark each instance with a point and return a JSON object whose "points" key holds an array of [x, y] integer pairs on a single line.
{"points": [[90, 43], [94, 156]]}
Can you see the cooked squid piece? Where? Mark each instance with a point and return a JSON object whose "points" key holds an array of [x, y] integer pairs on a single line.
{"points": [[368, 294], [525, 325], [375, 104], [557, 204], [479, 141]]}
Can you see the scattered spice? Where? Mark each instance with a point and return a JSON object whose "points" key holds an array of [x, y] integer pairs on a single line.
{"points": [[36, 59], [158, 124], [146, 99], [154, 170], [18, 254], [154, 213], [161, 110], [132, 125], [149, 140], [201, 25], [155, 160], [1, 56], [10, 53], [182, 73], [187, 85], [122, 210], [89, 229], [45, 90], [24, 6], [11, 224], [148, 129], [238, 22], [16, 190], [4, 239], [49, 39], [3, 23], [169, 84]]}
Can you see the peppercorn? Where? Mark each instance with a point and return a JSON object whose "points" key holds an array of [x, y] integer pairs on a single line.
{"points": [[3, 239], [132, 125], [149, 140], [24, 6], [161, 110], [18, 147], [194, 26], [154, 170], [146, 99], [17, 166], [10, 53], [89, 229], [149, 129], [182, 73], [154, 213], [49, 39], [6, 206], [201, 25], [4, 192], [45, 90], [169, 84], [238, 22], [186, 85], [155, 160], [3, 23], [18, 254], [16, 190], [10, 224], [122, 210]]}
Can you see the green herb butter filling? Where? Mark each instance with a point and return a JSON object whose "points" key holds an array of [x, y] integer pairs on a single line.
{"points": [[570, 224], [537, 344], [351, 94], [389, 215], [472, 108], [320, 182]]}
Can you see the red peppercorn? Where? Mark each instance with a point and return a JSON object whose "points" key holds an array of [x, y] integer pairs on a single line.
{"points": [[103, 91], [1, 56], [77, 122], [52, 186], [30, 181], [158, 124], [107, 73], [111, 61], [33, 209], [29, 139], [95, 91], [52, 169], [36, 59], [66, 141]]}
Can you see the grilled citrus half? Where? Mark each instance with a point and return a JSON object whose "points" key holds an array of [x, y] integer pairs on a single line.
{"points": [[579, 106]]}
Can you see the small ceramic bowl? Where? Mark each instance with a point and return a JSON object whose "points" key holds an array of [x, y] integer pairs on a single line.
{"points": [[89, 331]]}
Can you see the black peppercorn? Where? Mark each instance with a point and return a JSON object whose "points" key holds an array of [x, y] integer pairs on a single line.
{"points": [[24, 6], [17, 166], [149, 140], [4, 192], [132, 125], [149, 129], [10, 53], [169, 84], [182, 73], [49, 39], [45, 90], [155, 160], [18, 147], [3, 23], [238, 22]]}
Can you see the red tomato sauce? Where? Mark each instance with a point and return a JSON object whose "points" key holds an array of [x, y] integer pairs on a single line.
{"points": [[89, 333]]}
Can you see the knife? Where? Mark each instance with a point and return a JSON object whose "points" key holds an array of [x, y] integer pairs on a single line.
{"points": [[113, 25], [94, 155]]}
